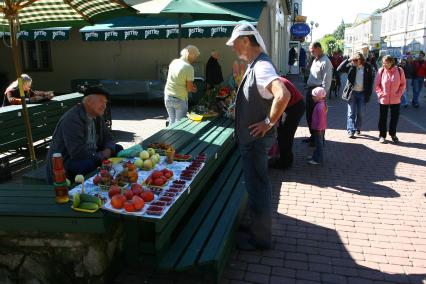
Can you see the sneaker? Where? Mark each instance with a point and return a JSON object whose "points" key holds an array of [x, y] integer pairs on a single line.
{"points": [[395, 139], [351, 135], [313, 162], [382, 140], [358, 132]]}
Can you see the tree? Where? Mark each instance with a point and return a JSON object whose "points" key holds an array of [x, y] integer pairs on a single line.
{"points": [[339, 33], [329, 44]]}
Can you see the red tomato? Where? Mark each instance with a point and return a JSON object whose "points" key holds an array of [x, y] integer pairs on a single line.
{"points": [[117, 201], [113, 190], [129, 194]]}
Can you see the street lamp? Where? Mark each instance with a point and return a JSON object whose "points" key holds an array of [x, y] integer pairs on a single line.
{"points": [[312, 27]]}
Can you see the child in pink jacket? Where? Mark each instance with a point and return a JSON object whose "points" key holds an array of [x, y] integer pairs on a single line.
{"points": [[319, 124], [389, 86]]}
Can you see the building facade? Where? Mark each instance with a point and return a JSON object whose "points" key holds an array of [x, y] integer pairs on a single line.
{"points": [[403, 27], [364, 34]]}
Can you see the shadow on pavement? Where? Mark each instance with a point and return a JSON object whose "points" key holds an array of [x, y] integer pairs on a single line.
{"points": [[350, 167]]}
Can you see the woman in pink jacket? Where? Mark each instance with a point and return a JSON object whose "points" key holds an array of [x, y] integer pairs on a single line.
{"points": [[389, 86]]}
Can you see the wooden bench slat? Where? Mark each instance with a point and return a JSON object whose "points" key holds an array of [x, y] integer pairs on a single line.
{"points": [[175, 251], [191, 254], [215, 246]]}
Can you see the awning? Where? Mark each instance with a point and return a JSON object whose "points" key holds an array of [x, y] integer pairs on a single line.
{"points": [[140, 28], [61, 33]]}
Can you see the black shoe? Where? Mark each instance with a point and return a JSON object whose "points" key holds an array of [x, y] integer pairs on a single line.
{"points": [[275, 163], [358, 132], [308, 140], [395, 139]]}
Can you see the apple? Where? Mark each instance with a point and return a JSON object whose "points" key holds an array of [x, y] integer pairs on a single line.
{"points": [[117, 201], [151, 151], [159, 181], [129, 206], [139, 163], [156, 174], [156, 158], [144, 155], [128, 194], [138, 203], [113, 190], [147, 164]]}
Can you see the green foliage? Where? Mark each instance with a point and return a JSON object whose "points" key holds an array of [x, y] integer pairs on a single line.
{"points": [[339, 33], [329, 44]]}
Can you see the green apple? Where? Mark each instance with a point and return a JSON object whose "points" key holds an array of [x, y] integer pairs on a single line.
{"points": [[147, 164], [151, 151], [144, 155], [156, 158], [139, 163]]}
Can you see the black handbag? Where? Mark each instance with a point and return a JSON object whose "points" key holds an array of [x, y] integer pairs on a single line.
{"points": [[347, 92]]}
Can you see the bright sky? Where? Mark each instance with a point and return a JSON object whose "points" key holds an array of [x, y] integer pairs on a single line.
{"points": [[329, 13]]}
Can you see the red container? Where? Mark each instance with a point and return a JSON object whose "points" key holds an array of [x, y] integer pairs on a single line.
{"points": [[59, 176], [57, 161], [61, 194]]}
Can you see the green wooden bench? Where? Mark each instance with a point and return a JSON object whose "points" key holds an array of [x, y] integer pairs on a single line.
{"points": [[206, 241], [33, 208], [149, 237]]}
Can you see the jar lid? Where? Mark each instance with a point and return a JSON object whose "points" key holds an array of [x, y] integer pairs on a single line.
{"points": [[56, 155]]}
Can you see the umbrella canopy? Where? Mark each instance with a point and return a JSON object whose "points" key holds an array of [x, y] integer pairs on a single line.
{"points": [[187, 10], [32, 14]]}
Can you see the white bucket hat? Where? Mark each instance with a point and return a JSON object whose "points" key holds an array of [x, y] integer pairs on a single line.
{"points": [[246, 29]]}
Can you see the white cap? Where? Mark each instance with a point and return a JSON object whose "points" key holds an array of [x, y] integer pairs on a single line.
{"points": [[246, 29]]}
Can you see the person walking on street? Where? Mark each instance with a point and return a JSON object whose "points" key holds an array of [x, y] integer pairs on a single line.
{"points": [[409, 68], [287, 126], [261, 100], [320, 75], [389, 86], [419, 78], [357, 92], [319, 124]]}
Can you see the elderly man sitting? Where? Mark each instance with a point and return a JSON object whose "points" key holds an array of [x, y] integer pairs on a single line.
{"points": [[82, 137]]}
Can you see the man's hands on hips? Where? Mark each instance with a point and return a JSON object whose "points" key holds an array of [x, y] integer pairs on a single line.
{"points": [[260, 128]]}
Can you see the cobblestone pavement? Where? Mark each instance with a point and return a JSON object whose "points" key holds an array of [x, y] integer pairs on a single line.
{"points": [[359, 218]]}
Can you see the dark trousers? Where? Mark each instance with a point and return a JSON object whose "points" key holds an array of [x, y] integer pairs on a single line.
{"points": [[84, 167], [286, 129], [309, 108], [384, 117]]}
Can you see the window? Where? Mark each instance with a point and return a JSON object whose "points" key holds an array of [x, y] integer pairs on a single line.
{"points": [[411, 10], [383, 25], [394, 20], [403, 16], [388, 24], [420, 12], [36, 55]]}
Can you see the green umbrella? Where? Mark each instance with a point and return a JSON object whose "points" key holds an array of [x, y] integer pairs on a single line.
{"points": [[187, 10], [32, 14]]}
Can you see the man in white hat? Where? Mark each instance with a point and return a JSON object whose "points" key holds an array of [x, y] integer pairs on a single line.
{"points": [[261, 100]]}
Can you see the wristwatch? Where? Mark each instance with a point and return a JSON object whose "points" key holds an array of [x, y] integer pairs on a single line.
{"points": [[267, 121]]}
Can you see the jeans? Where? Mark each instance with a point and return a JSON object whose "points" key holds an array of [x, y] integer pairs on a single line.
{"points": [[176, 108], [384, 117], [417, 89], [286, 130], [356, 109], [317, 156], [254, 157], [405, 99], [309, 107]]}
